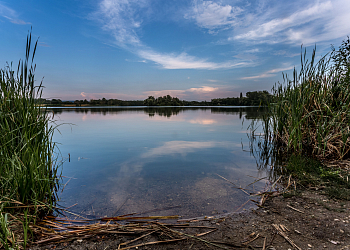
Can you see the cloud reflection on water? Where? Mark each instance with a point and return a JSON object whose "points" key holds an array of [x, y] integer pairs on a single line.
{"points": [[203, 121], [184, 147]]}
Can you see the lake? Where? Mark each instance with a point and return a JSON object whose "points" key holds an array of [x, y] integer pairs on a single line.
{"points": [[157, 161]]}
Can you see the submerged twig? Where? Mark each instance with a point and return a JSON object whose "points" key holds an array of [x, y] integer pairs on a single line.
{"points": [[233, 184]]}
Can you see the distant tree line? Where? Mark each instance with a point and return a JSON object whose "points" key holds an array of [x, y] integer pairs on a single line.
{"points": [[254, 98], [92, 102], [163, 101]]}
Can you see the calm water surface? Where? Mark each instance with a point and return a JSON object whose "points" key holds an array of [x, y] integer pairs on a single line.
{"points": [[126, 160]]}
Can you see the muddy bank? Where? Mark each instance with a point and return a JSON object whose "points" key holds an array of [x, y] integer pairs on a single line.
{"points": [[308, 220]]}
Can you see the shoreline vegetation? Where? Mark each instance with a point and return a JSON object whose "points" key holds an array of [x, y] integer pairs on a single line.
{"points": [[310, 114], [254, 98], [29, 176], [307, 126]]}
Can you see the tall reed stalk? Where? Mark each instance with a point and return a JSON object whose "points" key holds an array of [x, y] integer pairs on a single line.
{"points": [[28, 173], [27, 166], [311, 112]]}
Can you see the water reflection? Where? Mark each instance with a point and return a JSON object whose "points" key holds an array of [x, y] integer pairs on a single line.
{"points": [[127, 160], [249, 112], [268, 157]]}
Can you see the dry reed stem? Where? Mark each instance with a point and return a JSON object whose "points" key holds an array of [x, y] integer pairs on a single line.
{"points": [[51, 230], [233, 184], [295, 209], [264, 244], [151, 243], [280, 231], [250, 241]]}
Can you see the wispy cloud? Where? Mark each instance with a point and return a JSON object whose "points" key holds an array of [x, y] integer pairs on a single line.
{"points": [[43, 44], [269, 73], [284, 53], [185, 61], [118, 17], [272, 22], [317, 22], [277, 25], [172, 61], [252, 50], [123, 20], [11, 15], [203, 89], [83, 95], [212, 15]]}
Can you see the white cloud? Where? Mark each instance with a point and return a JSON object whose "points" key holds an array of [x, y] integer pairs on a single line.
{"points": [[336, 24], [211, 15], [277, 25], [185, 61], [118, 17], [11, 15], [269, 73], [203, 89], [172, 61], [319, 21], [285, 53], [252, 50]]}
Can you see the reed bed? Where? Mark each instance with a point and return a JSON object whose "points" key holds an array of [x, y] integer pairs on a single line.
{"points": [[310, 114], [28, 171]]}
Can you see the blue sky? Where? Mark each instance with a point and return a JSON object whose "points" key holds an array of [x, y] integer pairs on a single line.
{"points": [[195, 50]]}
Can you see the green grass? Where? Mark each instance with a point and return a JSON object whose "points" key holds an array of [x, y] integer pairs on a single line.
{"points": [[28, 174]]}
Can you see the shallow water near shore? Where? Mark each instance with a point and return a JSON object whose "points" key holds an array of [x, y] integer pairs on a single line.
{"points": [[157, 161]]}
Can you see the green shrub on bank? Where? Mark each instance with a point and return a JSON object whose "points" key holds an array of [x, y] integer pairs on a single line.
{"points": [[312, 173], [311, 113]]}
